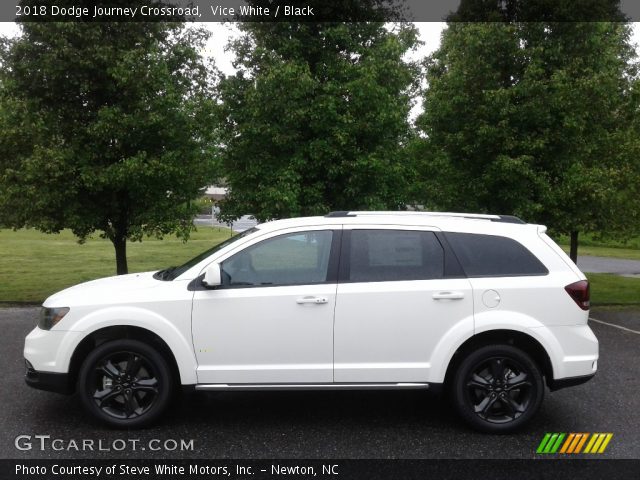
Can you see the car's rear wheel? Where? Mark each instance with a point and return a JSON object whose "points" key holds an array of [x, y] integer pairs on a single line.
{"points": [[125, 383], [497, 388]]}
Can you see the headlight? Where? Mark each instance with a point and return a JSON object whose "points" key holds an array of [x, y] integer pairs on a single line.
{"points": [[50, 316]]}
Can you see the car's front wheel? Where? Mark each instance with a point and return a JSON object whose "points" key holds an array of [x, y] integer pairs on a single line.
{"points": [[497, 388], [125, 383]]}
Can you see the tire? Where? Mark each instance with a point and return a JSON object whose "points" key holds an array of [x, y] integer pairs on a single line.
{"points": [[125, 383], [497, 388]]}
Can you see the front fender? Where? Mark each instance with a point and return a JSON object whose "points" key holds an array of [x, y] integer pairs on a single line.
{"points": [[176, 336]]}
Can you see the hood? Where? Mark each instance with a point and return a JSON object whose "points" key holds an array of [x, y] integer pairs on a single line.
{"points": [[105, 290]]}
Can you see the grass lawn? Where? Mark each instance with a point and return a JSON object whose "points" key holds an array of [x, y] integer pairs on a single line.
{"points": [[588, 245], [615, 252], [34, 265], [588, 240], [609, 289]]}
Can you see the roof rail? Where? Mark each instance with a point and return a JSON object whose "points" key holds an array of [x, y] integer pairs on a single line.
{"points": [[510, 219], [340, 213], [477, 216]]}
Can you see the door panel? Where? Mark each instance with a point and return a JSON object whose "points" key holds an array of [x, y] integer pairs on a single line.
{"points": [[386, 332], [272, 320], [263, 335], [387, 328]]}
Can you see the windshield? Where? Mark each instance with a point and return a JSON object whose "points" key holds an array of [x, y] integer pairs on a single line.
{"points": [[175, 272]]}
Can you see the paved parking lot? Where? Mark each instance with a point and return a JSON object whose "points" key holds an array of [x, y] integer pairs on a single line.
{"points": [[408, 424], [620, 266]]}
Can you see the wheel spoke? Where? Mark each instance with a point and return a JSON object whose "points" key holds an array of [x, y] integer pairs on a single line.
{"points": [[134, 362], [103, 396], [512, 405], [146, 385], [130, 403], [484, 406], [110, 370], [497, 368], [489, 405], [518, 381], [478, 382]]}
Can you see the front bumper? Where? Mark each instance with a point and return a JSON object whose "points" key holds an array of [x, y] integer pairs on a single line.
{"points": [[50, 381], [50, 350]]}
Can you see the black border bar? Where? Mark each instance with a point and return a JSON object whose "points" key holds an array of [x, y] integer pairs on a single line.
{"points": [[124, 469], [321, 10]]}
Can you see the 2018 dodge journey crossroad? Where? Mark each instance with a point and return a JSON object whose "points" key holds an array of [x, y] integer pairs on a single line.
{"points": [[486, 306]]}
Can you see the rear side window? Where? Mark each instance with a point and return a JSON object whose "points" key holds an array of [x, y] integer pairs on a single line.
{"points": [[494, 256], [394, 255]]}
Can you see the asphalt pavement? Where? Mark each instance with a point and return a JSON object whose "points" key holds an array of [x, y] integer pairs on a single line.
{"points": [[620, 266], [382, 424]]}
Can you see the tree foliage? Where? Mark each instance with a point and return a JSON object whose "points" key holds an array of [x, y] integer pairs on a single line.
{"points": [[315, 118], [537, 11], [534, 119], [105, 127]]}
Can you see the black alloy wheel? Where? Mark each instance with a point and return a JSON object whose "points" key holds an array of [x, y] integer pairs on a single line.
{"points": [[498, 388], [125, 383]]}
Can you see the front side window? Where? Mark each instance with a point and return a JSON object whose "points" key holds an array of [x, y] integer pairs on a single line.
{"points": [[294, 259], [394, 255], [172, 273]]}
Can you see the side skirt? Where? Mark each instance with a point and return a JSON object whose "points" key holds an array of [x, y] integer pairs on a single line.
{"points": [[314, 386]]}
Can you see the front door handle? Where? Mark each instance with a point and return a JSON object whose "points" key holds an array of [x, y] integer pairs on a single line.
{"points": [[448, 295], [316, 300]]}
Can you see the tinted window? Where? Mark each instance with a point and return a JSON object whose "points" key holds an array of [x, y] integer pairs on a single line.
{"points": [[387, 255], [177, 271], [294, 259], [494, 256]]}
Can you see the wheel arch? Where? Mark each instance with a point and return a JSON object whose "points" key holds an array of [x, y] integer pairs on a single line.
{"points": [[105, 334], [515, 338]]}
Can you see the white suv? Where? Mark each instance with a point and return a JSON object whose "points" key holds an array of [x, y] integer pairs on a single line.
{"points": [[486, 305]]}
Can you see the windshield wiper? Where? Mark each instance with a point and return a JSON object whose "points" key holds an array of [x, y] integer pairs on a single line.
{"points": [[164, 274]]}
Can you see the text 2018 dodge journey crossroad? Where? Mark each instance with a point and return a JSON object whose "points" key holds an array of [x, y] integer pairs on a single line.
{"points": [[484, 305]]}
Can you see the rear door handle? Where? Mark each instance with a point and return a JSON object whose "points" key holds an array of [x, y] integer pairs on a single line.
{"points": [[316, 300], [448, 295]]}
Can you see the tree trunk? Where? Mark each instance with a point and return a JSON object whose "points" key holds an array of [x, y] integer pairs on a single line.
{"points": [[120, 244], [573, 250]]}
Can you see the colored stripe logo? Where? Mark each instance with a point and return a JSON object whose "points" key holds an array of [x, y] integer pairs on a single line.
{"points": [[574, 443]]}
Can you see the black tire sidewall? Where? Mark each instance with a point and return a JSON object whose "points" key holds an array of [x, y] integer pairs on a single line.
{"points": [[459, 393], [161, 369]]}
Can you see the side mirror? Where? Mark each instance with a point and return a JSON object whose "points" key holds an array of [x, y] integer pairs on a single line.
{"points": [[212, 276]]}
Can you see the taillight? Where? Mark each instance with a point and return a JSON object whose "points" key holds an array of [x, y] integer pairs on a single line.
{"points": [[579, 291]]}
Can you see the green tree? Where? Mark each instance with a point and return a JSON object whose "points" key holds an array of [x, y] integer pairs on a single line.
{"points": [[105, 127], [534, 119], [316, 118]]}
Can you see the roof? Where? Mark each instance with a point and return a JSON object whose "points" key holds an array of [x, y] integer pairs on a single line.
{"points": [[493, 218], [462, 222]]}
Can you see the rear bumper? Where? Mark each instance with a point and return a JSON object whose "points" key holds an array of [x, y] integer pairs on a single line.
{"points": [[568, 382], [572, 350], [49, 381]]}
